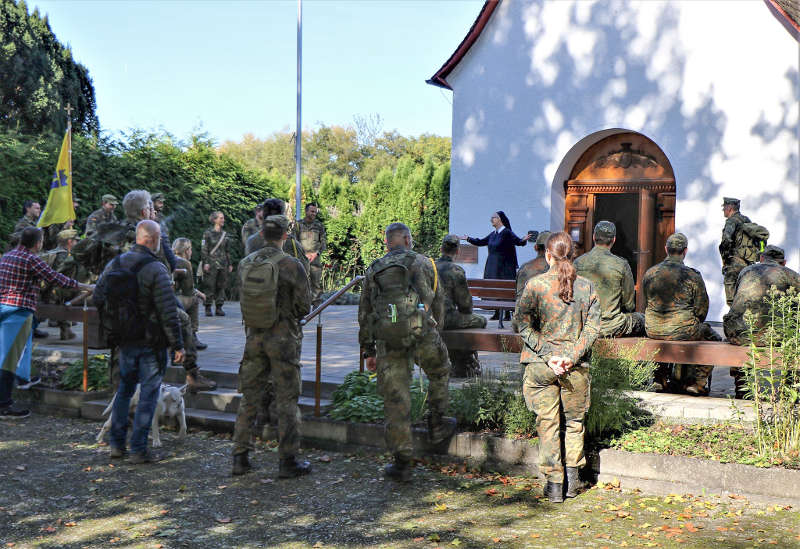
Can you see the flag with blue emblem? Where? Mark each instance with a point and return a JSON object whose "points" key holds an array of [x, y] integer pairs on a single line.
{"points": [[59, 203]]}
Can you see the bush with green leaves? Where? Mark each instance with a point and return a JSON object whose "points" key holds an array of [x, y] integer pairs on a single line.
{"points": [[357, 399], [98, 378]]}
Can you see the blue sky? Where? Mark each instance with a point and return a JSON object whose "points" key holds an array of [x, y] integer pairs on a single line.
{"points": [[229, 68]]}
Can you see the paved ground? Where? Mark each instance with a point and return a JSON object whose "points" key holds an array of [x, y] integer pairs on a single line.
{"points": [[225, 339], [61, 490]]}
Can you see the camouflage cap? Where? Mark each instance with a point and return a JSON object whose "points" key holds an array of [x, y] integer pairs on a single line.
{"points": [[774, 252], [677, 241], [606, 229], [110, 198], [67, 233], [541, 240], [157, 196], [728, 201], [280, 220], [450, 241]]}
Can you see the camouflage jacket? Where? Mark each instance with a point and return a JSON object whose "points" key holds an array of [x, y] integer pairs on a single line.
{"points": [[612, 279], [23, 223], [312, 236], [535, 266], [752, 287], [292, 247], [729, 246], [221, 258], [97, 217], [453, 281], [184, 283], [549, 326], [293, 298], [61, 261], [250, 227], [677, 301], [422, 280]]}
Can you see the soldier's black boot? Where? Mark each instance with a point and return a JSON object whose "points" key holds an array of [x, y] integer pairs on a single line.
{"points": [[440, 428], [199, 345], [554, 492], [196, 381], [241, 464], [291, 468], [219, 311], [574, 483], [400, 470], [208, 311]]}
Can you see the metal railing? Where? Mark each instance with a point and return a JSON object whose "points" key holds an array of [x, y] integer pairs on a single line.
{"points": [[83, 298], [317, 313]]}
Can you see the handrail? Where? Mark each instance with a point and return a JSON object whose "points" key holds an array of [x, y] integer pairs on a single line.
{"points": [[330, 301]]}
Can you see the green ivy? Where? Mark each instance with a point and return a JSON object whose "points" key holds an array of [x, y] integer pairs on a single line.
{"points": [[98, 379]]}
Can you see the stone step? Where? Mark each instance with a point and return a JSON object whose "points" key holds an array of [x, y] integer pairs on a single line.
{"points": [[214, 419], [227, 400], [176, 375]]}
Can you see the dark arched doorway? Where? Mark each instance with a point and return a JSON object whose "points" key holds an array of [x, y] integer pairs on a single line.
{"points": [[627, 179]]}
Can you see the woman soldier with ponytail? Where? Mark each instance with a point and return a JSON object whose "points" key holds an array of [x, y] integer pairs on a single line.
{"points": [[559, 320]]}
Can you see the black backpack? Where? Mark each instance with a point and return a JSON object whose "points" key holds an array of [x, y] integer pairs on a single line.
{"points": [[120, 313]]}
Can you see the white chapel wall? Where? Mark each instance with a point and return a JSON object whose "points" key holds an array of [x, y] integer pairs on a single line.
{"points": [[714, 84]]}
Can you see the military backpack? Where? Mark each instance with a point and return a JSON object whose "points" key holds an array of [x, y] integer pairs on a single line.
{"points": [[398, 313], [258, 275], [753, 239]]}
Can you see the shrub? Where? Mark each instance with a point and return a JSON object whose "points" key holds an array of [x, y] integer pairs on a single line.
{"points": [[357, 399], [483, 402], [519, 421], [98, 378]]}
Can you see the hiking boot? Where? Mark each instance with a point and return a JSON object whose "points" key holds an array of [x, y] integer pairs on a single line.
{"points": [[661, 378], [554, 492], [145, 457], [698, 388], [40, 334], [208, 311], [219, 311], [400, 470], [199, 345], [31, 382], [198, 382], [116, 453], [291, 468], [67, 334], [440, 428], [12, 412], [574, 483], [241, 464]]}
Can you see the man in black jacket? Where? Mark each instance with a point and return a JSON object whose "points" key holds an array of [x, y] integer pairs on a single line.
{"points": [[144, 358]]}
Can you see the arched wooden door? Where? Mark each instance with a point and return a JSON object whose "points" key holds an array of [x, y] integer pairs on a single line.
{"points": [[627, 179]]}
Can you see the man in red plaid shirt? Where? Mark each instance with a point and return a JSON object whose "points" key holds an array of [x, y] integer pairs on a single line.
{"points": [[21, 275]]}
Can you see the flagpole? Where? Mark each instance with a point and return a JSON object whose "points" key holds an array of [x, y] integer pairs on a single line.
{"points": [[299, 134], [69, 151]]}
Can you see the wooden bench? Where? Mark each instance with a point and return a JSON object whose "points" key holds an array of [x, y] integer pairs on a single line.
{"points": [[678, 352], [97, 339], [495, 295]]}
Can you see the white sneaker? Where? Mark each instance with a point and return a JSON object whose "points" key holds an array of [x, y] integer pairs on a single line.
{"points": [[31, 382]]}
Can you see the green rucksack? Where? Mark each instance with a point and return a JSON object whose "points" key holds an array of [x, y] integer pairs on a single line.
{"points": [[753, 240], [398, 314], [258, 275]]}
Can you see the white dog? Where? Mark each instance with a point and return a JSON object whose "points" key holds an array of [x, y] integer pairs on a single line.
{"points": [[170, 405]]}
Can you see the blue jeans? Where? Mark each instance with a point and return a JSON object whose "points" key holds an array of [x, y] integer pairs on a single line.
{"points": [[136, 365]]}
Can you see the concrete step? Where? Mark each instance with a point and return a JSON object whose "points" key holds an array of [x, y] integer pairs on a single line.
{"points": [[176, 375], [227, 400]]}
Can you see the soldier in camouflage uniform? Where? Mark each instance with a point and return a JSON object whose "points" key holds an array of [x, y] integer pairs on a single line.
{"points": [[188, 295], [104, 215], [731, 248], [612, 279], [559, 321], [253, 225], [276, 206], [394, 362], [215, 256], [274, 353], [534, 267], [311, 233], [158, 208], [60, 260], [677, 305], [458, 307], [30, 216], [752, 287]]}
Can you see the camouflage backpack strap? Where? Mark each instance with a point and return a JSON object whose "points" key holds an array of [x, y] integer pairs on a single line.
{"points": [[435, 275]]}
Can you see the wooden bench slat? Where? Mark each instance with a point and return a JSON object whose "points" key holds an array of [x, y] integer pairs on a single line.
{"points": [[491, 283], [491, 305], [494, 293]]}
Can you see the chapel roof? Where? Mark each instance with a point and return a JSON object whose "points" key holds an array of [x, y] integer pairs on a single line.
{"points": [[788, 13]]}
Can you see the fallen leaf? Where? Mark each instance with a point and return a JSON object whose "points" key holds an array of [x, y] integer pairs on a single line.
{"points": [[434, 537], [496, 540], [536, 536], [419, 539], [164, 511], [690, 527], [70, 524], [20, 467], [456, 542], [324, 459], [491, 492], [224, 520], [49, 529], [440, 507]]}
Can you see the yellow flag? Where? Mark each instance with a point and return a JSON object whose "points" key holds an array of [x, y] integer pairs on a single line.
{"points": [[59, 203]]}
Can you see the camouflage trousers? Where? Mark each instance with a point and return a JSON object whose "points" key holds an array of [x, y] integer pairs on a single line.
{"points": [[464, 363], [269, 359], [214, 283], [730, 273], [549, 396], [690, 373], [315, 281], [633, 326], [192, 307], [395, 367]]}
